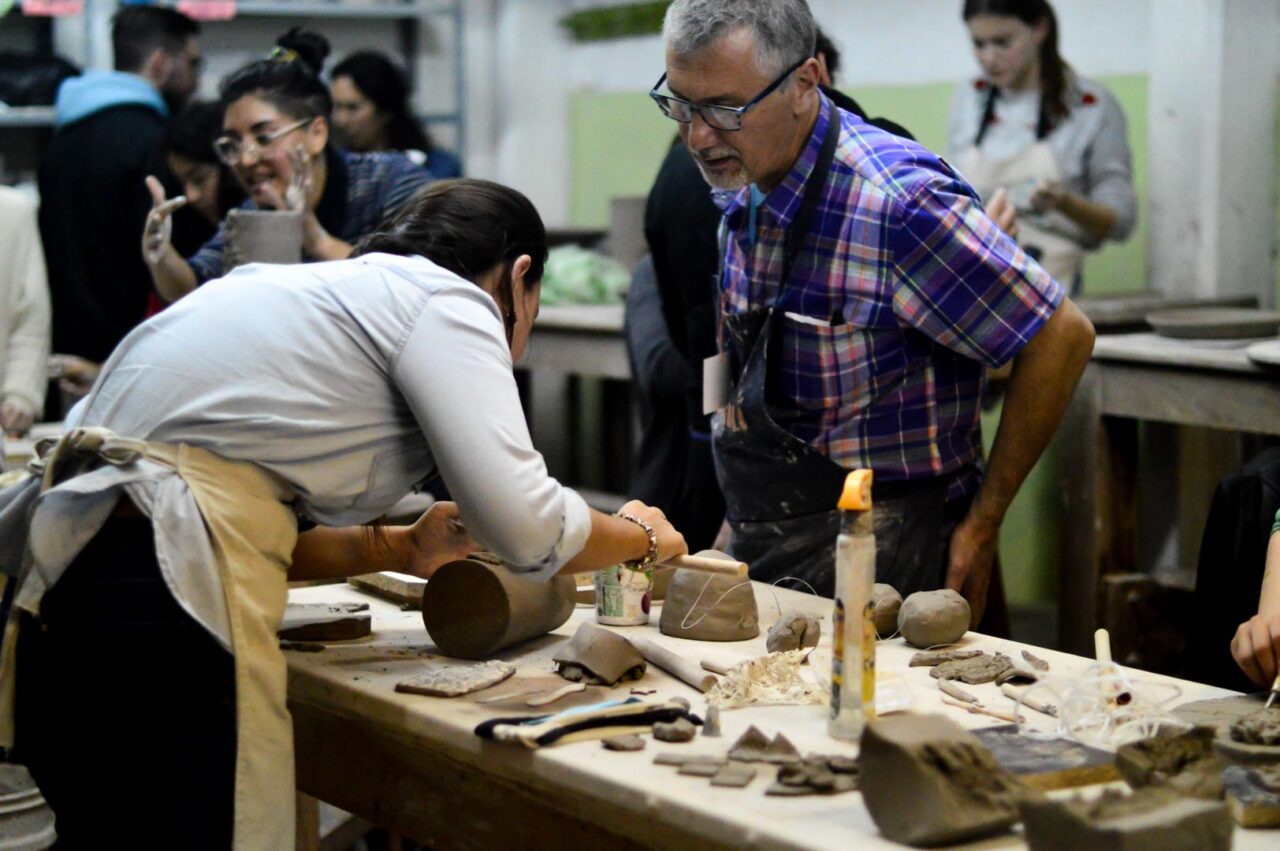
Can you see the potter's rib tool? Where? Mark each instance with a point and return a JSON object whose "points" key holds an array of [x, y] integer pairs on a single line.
{"points": [[543, 700], [704, 564], [1275, 689]]}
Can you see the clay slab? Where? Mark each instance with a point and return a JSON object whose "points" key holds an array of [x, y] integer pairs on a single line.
{"points": [[1151, 819], [974, 671], [600, 655], [1253, 794], [445, 680]]}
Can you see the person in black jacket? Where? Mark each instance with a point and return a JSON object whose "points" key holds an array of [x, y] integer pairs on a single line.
{"points": [[93, 198], [673, 469]]}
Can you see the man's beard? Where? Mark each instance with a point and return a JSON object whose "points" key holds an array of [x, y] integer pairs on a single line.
{"points": [[731, 179]]}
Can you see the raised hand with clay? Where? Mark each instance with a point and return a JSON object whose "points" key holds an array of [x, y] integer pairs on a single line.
{"points": [[157, 233]]}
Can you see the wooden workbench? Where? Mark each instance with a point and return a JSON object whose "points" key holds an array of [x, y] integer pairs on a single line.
{"points": [[1132, 378], [414, 765]]}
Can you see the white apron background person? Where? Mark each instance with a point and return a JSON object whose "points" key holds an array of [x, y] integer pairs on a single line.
{"points": [[1057, 143]]}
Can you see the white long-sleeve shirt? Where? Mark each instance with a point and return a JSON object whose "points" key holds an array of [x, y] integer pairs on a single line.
{"points": [[24, 304], [353, 381]]}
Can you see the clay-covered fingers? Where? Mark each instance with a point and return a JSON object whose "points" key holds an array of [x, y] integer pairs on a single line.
{"points": [[1256, 647], [671, 542], [158, 229], [299, 190]]}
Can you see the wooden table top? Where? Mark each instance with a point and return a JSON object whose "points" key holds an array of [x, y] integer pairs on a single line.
{"points": [[357, 679]]}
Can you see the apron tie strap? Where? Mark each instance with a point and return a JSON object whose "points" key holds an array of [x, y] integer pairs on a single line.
{"points": [[76, 451]]}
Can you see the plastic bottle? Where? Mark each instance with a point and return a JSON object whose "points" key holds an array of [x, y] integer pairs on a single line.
{"points": [[853, 667]]}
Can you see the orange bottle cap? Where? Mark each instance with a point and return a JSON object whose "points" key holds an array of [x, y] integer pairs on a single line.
{"points": [[857, 492]]}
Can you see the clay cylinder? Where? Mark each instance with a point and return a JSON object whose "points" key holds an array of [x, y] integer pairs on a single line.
{"points": [[473, 609], [262, 236]]}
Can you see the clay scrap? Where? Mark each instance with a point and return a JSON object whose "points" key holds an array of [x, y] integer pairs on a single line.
{"points": [[630, 742], [929, 658], [711, 721], [326, 621], [1035, 661], [1185, 762], [886, 602], [1150, 818], [755, 746], [597, 655], [934, 618], [680, 730], [709, 606], [700, 768], [793, 631], [1253, 794], [927, 781], [816, 775], [974, 670], [1017, 675], [734, 776], [473, 609], [446, 680], [1259, 728]]}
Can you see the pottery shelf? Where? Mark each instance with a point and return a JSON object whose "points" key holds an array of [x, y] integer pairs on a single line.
{"points": [[311, 9]]}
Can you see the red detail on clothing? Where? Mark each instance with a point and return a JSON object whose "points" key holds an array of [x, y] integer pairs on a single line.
{"points": [[155, 304], [979, 84], [1088, 99]]}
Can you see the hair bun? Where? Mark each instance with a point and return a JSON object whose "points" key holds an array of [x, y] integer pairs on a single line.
{"points": [[311, 48]]}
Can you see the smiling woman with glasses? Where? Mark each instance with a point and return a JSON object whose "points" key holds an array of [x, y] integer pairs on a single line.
{"points": [[275, 138]]}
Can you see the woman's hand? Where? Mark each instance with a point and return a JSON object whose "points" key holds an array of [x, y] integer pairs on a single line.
{"points": [[316, 241], [438, 537], [16, 417], [670, 542], [1049, 195], [158, 230], [1256, 648], [75, 375], [1001, 211]]}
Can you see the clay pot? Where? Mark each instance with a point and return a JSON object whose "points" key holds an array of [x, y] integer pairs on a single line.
{"points": [[709, 607], [262, 236], [473, 609]]}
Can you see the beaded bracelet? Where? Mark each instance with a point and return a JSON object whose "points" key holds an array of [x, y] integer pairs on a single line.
{"points": [[651, 557]]}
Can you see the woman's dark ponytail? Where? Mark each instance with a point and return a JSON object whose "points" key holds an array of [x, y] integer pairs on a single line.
{"points": [[288, 79]]}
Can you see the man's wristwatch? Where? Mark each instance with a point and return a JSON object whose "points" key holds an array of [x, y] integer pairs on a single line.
{"points": [[651, 557]]}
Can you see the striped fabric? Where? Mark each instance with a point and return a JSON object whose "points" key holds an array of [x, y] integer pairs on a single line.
{"points": [[904, 292]]}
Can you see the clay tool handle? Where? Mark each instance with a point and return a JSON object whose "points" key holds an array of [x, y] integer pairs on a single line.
{"points": [[1275, 689], [673, 663], [982, 710], [703, 564]]}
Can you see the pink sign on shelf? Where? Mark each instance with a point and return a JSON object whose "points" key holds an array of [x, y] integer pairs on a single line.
{"points": [[52, 8], [208, 10]]}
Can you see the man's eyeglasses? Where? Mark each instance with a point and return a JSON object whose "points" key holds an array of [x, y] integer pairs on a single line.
{"points": [[230, 149], [719, 117]]}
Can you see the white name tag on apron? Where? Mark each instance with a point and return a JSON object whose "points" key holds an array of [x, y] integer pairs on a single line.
{"points": [[715, 383]]}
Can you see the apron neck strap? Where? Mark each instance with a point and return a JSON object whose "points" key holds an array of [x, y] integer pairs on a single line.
{"points": [[799, 228], [1044, 126]]}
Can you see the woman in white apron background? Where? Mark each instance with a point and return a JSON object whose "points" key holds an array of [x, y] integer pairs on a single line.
{"points": [[1056, 142], [151, 555]]}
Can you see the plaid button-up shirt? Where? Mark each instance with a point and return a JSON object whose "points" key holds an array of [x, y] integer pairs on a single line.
{"points": [[901, 297]]}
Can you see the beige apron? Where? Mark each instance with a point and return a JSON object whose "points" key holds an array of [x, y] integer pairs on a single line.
{"points": [[1061, 256], [252, 532]]}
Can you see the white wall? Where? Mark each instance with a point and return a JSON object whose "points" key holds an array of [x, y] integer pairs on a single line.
{"points": [[899, 42]]}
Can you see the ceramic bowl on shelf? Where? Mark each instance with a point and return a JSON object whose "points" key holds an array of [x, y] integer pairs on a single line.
{"points": [[1215, 323]]}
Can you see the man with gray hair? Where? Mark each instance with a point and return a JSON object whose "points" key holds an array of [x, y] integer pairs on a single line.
{"points": [[864, 293]]}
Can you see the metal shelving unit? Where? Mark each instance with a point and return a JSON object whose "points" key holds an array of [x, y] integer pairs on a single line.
{"points": [[26, 116]]}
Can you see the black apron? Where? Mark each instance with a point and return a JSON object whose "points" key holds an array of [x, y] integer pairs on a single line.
{"points": [[781, 493]]}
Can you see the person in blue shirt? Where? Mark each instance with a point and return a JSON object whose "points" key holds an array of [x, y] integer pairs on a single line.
{"points": [[275, 136], [371, 113]]}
